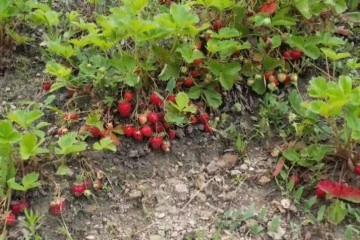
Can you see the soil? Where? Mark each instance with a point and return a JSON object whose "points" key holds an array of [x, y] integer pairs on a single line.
{"points": [[193, 192]]}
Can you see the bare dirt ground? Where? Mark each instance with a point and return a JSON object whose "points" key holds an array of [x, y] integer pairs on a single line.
{"points": [[197, 191]]}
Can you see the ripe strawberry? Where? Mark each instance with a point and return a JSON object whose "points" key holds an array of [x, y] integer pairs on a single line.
{"points": [[95, 131], [267, 75], [208, 128], [19, 207], [103, 133], [128, 96], [193, 120], [287, 79], [287, 54], [142, 118], [294, 178], [124, 109], [171, 98], [153, 117], [158, 127], [194, 73], [357, 169], [198, 45], [128, 130], [188, 82], [46, 86], [296, 55], [217, 25], [57, 206], [197, 62], [204, 118], [87, 183], [165, 146], [10, 219], [73, 116], [156, 100], [146, 131], [167, 125], [70, 93], [78, 189], [137, 135], [161, 117], [62, 131], [155, 142], [320, 193], [97, 184], [172, 134]]}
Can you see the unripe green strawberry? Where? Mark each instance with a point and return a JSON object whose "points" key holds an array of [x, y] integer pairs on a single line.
{"points": [[250, 82], [294, 77], [271, 86], [281, 77]]}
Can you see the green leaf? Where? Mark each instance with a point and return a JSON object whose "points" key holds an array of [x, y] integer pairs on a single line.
{"points": [[333, 55], [321, 213], [57, 70], [291, 155], [69, 143], [275, 41], [312, 51], [105, 143], [7, 133], [227, 72], [29, 146], [259, 86], [194, 92], [318, 87], [31, 180], [310, 203], [304, 7], [225, 33], [183, 16], [170, 85], [24, 117], [270, 63], [339, 5], [336, 212], [63, 170], [213, 98], [189, 54]]}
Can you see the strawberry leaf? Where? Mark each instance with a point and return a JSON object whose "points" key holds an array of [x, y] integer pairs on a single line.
{"points": [[336, 212]]}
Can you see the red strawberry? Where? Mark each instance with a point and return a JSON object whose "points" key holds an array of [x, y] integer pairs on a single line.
{"points": [[62, 131], [217, 25], [137, 135], [142, 118], [153, 117], [193, 120], [70, 93], [46, 86], [172, 134], [287, 54], [204, 118], [156, 141], [10, 219], [95, 131], [128, 96], [267, 75], [165, 146], [287, 79], [197, 62], [78, 189], [208, 128], [124, 109], [103, 133], [296, 55], [294, 178], [128, 130], [73, 116], [357, 169], [146, 131], [195, 73], [320, 193], [156, 100], [198, 45], [158, 127], [97, 184], [171, 98], [19, 207], [188, 82], [57, 206], [167, 125], [87, 183]]}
